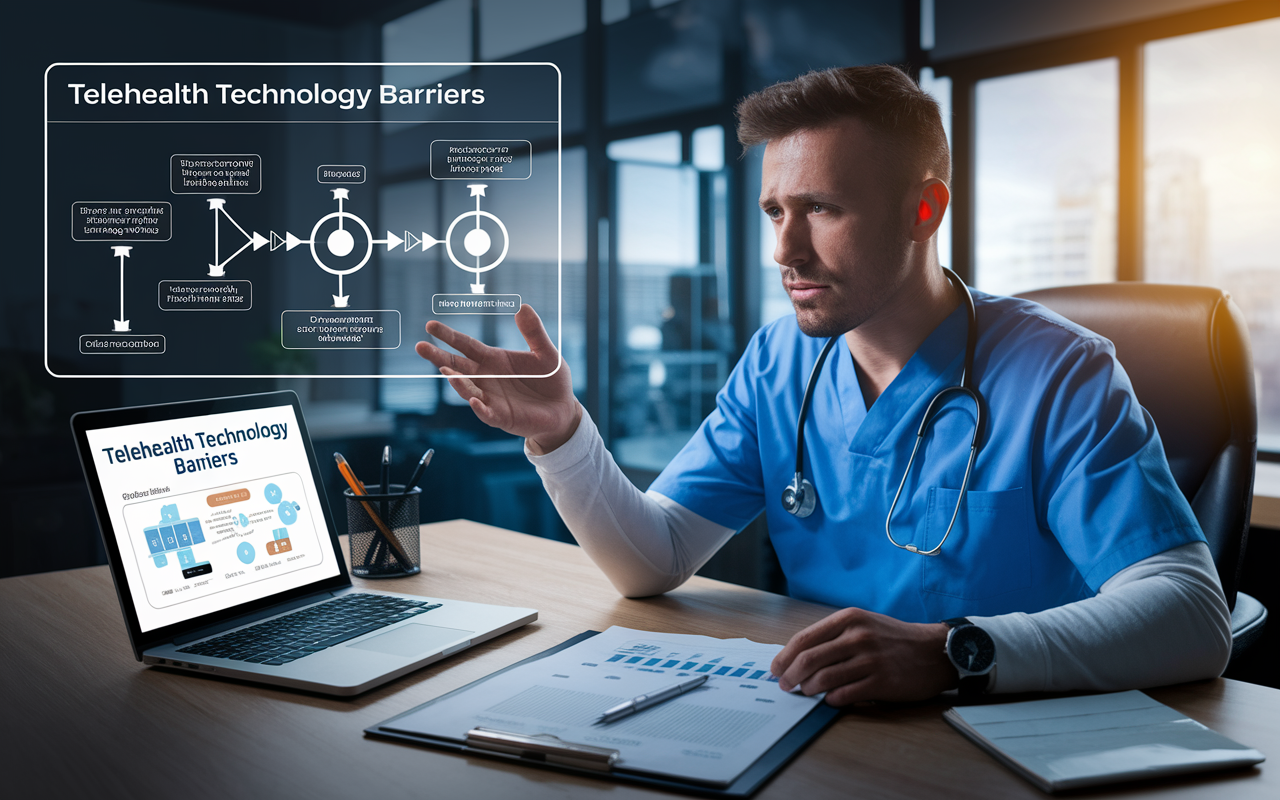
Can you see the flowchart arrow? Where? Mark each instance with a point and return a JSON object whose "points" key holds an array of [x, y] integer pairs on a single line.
{"points": [[410, 241], [291, 241], [276, 241], [429, 242], [340, 299], [477, 189], [392, 241], [218, 206], [122, 252]]}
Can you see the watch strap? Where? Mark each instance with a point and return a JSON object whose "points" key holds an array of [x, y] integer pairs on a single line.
{"points": [[973, 685]]}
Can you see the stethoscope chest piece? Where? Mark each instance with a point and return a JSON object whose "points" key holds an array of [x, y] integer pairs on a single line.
{"points": [[799, 498]]}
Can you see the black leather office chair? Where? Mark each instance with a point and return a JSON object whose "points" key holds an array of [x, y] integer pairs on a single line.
{"points": [[1186, 349]]}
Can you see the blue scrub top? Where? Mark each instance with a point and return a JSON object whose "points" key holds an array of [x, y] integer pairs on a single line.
{"points": [[1070, 486]]}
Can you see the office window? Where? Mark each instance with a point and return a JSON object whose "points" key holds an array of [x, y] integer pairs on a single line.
{"points": [[1045, 167], [612, 11], [513, 26], [673, 326], [784, 40], [438, 32], [662, 62], [658, 148], [708, 148], [1212, 164]]}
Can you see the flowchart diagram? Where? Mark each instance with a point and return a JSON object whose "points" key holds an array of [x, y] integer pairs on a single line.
{"points": [[221, 538], [330, 237], [227, 205]]}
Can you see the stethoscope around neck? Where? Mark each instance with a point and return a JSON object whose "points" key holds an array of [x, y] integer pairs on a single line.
{"points": [[800, 498]]}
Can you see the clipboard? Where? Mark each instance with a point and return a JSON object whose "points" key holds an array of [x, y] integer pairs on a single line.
{"points": [[548, 752]]}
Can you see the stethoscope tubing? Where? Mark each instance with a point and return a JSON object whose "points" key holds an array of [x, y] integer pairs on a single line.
{"points": [[966, 387]]}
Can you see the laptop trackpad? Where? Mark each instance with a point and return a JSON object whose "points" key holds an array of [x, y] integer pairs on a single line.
{"points": [[412, 639]]}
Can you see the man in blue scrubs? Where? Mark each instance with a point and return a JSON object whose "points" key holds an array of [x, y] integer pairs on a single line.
{"points": [[1074, 561]]}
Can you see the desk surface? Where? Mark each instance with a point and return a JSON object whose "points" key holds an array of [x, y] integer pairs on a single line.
{"points": [[88, 720]]}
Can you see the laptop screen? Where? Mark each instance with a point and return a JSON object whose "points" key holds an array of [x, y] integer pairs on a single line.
{"points": [[210, 512]]}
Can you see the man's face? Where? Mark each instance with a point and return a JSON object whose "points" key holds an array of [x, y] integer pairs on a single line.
{"points": [[843, 242]]}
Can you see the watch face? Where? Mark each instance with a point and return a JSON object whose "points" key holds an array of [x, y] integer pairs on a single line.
{"points": [[972, 650]]}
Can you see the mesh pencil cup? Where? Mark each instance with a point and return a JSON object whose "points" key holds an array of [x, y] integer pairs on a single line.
{"points": [[371, 553]]}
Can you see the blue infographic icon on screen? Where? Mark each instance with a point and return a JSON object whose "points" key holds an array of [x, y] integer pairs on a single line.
{"points": [[272, 493], [177, 536], [288, 512], [245, 552]]}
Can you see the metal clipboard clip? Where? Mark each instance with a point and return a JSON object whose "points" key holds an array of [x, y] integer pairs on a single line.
{"points": [[541, 747]]}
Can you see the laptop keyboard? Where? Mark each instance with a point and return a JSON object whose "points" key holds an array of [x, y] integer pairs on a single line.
{"points": [[293, 636]]}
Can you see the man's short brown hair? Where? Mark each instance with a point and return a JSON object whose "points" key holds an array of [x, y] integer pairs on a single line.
{"points": [[883, 97]]}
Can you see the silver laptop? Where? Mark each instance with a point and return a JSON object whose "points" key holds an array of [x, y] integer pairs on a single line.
{"points": [[191, 499]]}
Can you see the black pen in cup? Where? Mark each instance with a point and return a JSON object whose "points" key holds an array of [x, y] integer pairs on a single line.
{"points": [[418, 470]]}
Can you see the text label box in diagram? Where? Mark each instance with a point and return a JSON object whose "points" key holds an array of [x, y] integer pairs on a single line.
{"points": [[475, 303], [205, 295], [202, 173], [341, 173], [340, 329], [121, 221], [101, 344], [491, 159]]}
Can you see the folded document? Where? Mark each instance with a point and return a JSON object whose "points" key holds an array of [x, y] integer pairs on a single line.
{"points": [[1069, 742]]}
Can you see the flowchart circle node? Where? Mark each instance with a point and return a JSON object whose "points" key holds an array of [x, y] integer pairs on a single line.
{"points": [[448, 242], [341, 242], [368, 238], [272, 493], [244, 552], [288, 514], [476, 242]]}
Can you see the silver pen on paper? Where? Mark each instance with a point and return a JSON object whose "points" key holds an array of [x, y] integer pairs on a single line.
{"points": [[649, 700]]}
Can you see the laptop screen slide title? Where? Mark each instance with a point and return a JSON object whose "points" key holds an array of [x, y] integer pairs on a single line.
{"points": [[183, 443]]}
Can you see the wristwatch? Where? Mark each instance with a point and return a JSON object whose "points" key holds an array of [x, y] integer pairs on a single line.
{"points": [[973, 653]]}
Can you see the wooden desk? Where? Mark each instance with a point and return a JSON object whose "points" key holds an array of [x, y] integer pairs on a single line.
{"points": [[80, 718]]}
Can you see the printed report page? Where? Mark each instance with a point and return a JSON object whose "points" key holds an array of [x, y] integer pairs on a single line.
{"points": [[211, 512], [711, 734]]}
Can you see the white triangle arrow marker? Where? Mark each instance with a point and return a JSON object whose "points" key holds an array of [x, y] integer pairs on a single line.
{"points": [[259, 240], [276, 241], [291, 241], [393, 241]]}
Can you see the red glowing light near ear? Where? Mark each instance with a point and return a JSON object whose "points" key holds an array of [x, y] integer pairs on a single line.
{"points": [[926, 213]]}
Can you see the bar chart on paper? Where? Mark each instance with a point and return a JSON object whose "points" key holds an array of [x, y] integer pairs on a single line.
{"points": [[649, 656]]}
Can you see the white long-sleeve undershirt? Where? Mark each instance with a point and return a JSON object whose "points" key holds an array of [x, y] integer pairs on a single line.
{"points": [[1162, 620]]}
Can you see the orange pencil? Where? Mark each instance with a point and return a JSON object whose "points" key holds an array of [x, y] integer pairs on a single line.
{"points": [[357, 487]]}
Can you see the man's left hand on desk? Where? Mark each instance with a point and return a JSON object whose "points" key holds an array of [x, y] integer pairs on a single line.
{"points": [[855, 655]]}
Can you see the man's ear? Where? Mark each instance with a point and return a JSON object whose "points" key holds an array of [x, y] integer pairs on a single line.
{"points": [[930, 206]]}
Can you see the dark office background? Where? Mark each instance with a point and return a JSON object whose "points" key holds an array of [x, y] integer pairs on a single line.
{"points": [[667, 270]]}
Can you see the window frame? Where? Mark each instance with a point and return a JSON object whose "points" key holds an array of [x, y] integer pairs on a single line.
{"points": [[1124, 43]]}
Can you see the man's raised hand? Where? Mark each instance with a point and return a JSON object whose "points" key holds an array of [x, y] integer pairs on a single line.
{"points": [[543, 410]]}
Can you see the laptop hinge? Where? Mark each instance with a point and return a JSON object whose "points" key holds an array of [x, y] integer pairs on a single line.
{"points": [[245, 619]]}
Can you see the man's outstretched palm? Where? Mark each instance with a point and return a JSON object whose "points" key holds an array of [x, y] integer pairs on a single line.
{"points": [[543, 410]]}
